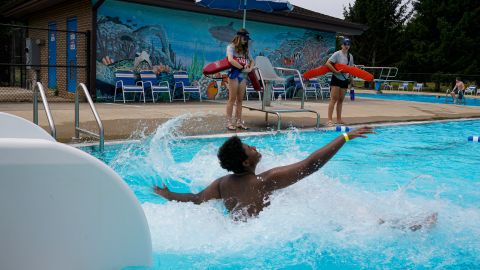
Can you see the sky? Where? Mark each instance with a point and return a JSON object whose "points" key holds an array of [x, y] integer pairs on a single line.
{"points": [[328, 7]]}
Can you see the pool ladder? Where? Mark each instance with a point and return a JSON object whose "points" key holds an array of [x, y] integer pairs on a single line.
{"points": [[38, 87], [100, 135]]}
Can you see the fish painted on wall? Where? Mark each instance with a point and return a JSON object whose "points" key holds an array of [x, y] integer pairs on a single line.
{"points": [[212, 90], [223, 33]]}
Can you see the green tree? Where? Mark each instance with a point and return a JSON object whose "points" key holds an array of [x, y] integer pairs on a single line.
{"points": [[443, 37], [381, 43]]}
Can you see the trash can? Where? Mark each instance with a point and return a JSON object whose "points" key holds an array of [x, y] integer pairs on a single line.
{"points": [[378, 85]]}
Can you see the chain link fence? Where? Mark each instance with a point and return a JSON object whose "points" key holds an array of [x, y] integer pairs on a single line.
{"points": [[59, 59]]}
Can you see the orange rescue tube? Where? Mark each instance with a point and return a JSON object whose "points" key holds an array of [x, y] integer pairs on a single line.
{"points": [[319, 71], [354, 71]]}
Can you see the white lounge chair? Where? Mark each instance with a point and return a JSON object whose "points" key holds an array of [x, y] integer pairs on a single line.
{"points": [[126, 81], [269, 75], [418, 87], [472, 90], [403, 87], [387, 86], [149, 81], [182, 82]]}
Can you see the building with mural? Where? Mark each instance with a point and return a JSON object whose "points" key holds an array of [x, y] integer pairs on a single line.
{"points": [[165, 36]]}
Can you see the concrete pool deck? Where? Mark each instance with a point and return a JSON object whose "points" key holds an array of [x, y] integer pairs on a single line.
{"points": [[132, 120]]}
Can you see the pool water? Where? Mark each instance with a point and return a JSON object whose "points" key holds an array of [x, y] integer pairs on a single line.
{"points": [[330, 220], [440, 98]]}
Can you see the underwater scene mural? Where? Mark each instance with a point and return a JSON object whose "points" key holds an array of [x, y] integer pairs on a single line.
{"points": [[138, 37]]}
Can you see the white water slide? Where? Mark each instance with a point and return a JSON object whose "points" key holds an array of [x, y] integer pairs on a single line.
{"points": [[61, 208]]}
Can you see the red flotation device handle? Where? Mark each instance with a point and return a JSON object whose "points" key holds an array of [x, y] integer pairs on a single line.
{"points": [[224, 64], [255, 80], [354, 71]]}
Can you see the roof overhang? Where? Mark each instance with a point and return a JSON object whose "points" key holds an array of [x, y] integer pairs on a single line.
{"points": [[20, 9], [299, 17]]}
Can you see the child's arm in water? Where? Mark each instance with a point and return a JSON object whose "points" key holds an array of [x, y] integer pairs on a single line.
{"points": [[210, 193]]}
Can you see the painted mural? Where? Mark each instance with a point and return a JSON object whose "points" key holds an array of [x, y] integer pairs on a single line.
{"points": [[139, 37]]}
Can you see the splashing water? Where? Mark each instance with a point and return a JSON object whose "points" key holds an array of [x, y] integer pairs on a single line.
{"points": [[329, 220]]}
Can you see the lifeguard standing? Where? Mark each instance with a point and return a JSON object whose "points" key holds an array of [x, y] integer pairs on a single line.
{"points": [[241, 66]]}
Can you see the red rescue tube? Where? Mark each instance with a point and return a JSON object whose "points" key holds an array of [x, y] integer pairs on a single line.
{"points": [[254, 79], [220, 65], [319, 71], [216, 67], [354, 71]]}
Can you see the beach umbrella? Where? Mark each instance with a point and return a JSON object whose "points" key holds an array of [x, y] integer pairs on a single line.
{"points": [[234, 5]]}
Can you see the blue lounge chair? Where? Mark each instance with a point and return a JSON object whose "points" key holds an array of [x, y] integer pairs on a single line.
{"points": [[149, 80], [125, 80], [182, 81]]}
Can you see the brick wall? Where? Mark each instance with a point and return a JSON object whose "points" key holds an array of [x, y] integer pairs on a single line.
{"points": [[80, 9]]}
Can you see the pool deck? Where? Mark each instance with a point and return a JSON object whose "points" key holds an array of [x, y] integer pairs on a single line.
{"points": [[133, 120]]}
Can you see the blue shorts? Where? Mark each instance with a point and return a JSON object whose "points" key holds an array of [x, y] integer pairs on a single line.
{"points": [[235, 73]]}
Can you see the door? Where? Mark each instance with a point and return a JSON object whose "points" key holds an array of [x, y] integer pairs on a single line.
{"points": [[71, 54], [52, 55]]}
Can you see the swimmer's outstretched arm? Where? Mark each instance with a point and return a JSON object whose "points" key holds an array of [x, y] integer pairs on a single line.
{"points": [[284, 176], [210, 193]]}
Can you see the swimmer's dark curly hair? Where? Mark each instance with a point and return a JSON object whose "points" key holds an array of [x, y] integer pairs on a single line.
{"points": [[231, 155]]}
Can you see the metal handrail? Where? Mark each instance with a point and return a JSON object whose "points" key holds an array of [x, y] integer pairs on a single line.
{"points": [[101, 135], [38, 86], [391, 71], [278, 112]]}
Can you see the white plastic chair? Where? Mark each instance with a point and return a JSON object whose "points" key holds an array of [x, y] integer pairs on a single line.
{"points": [[267, 70], [403, 87], [268, 74], [418, 87], [387, 86]]}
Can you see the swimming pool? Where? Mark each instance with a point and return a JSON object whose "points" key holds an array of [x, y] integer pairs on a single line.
{"points": [[328, 220], [440, 98]]}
